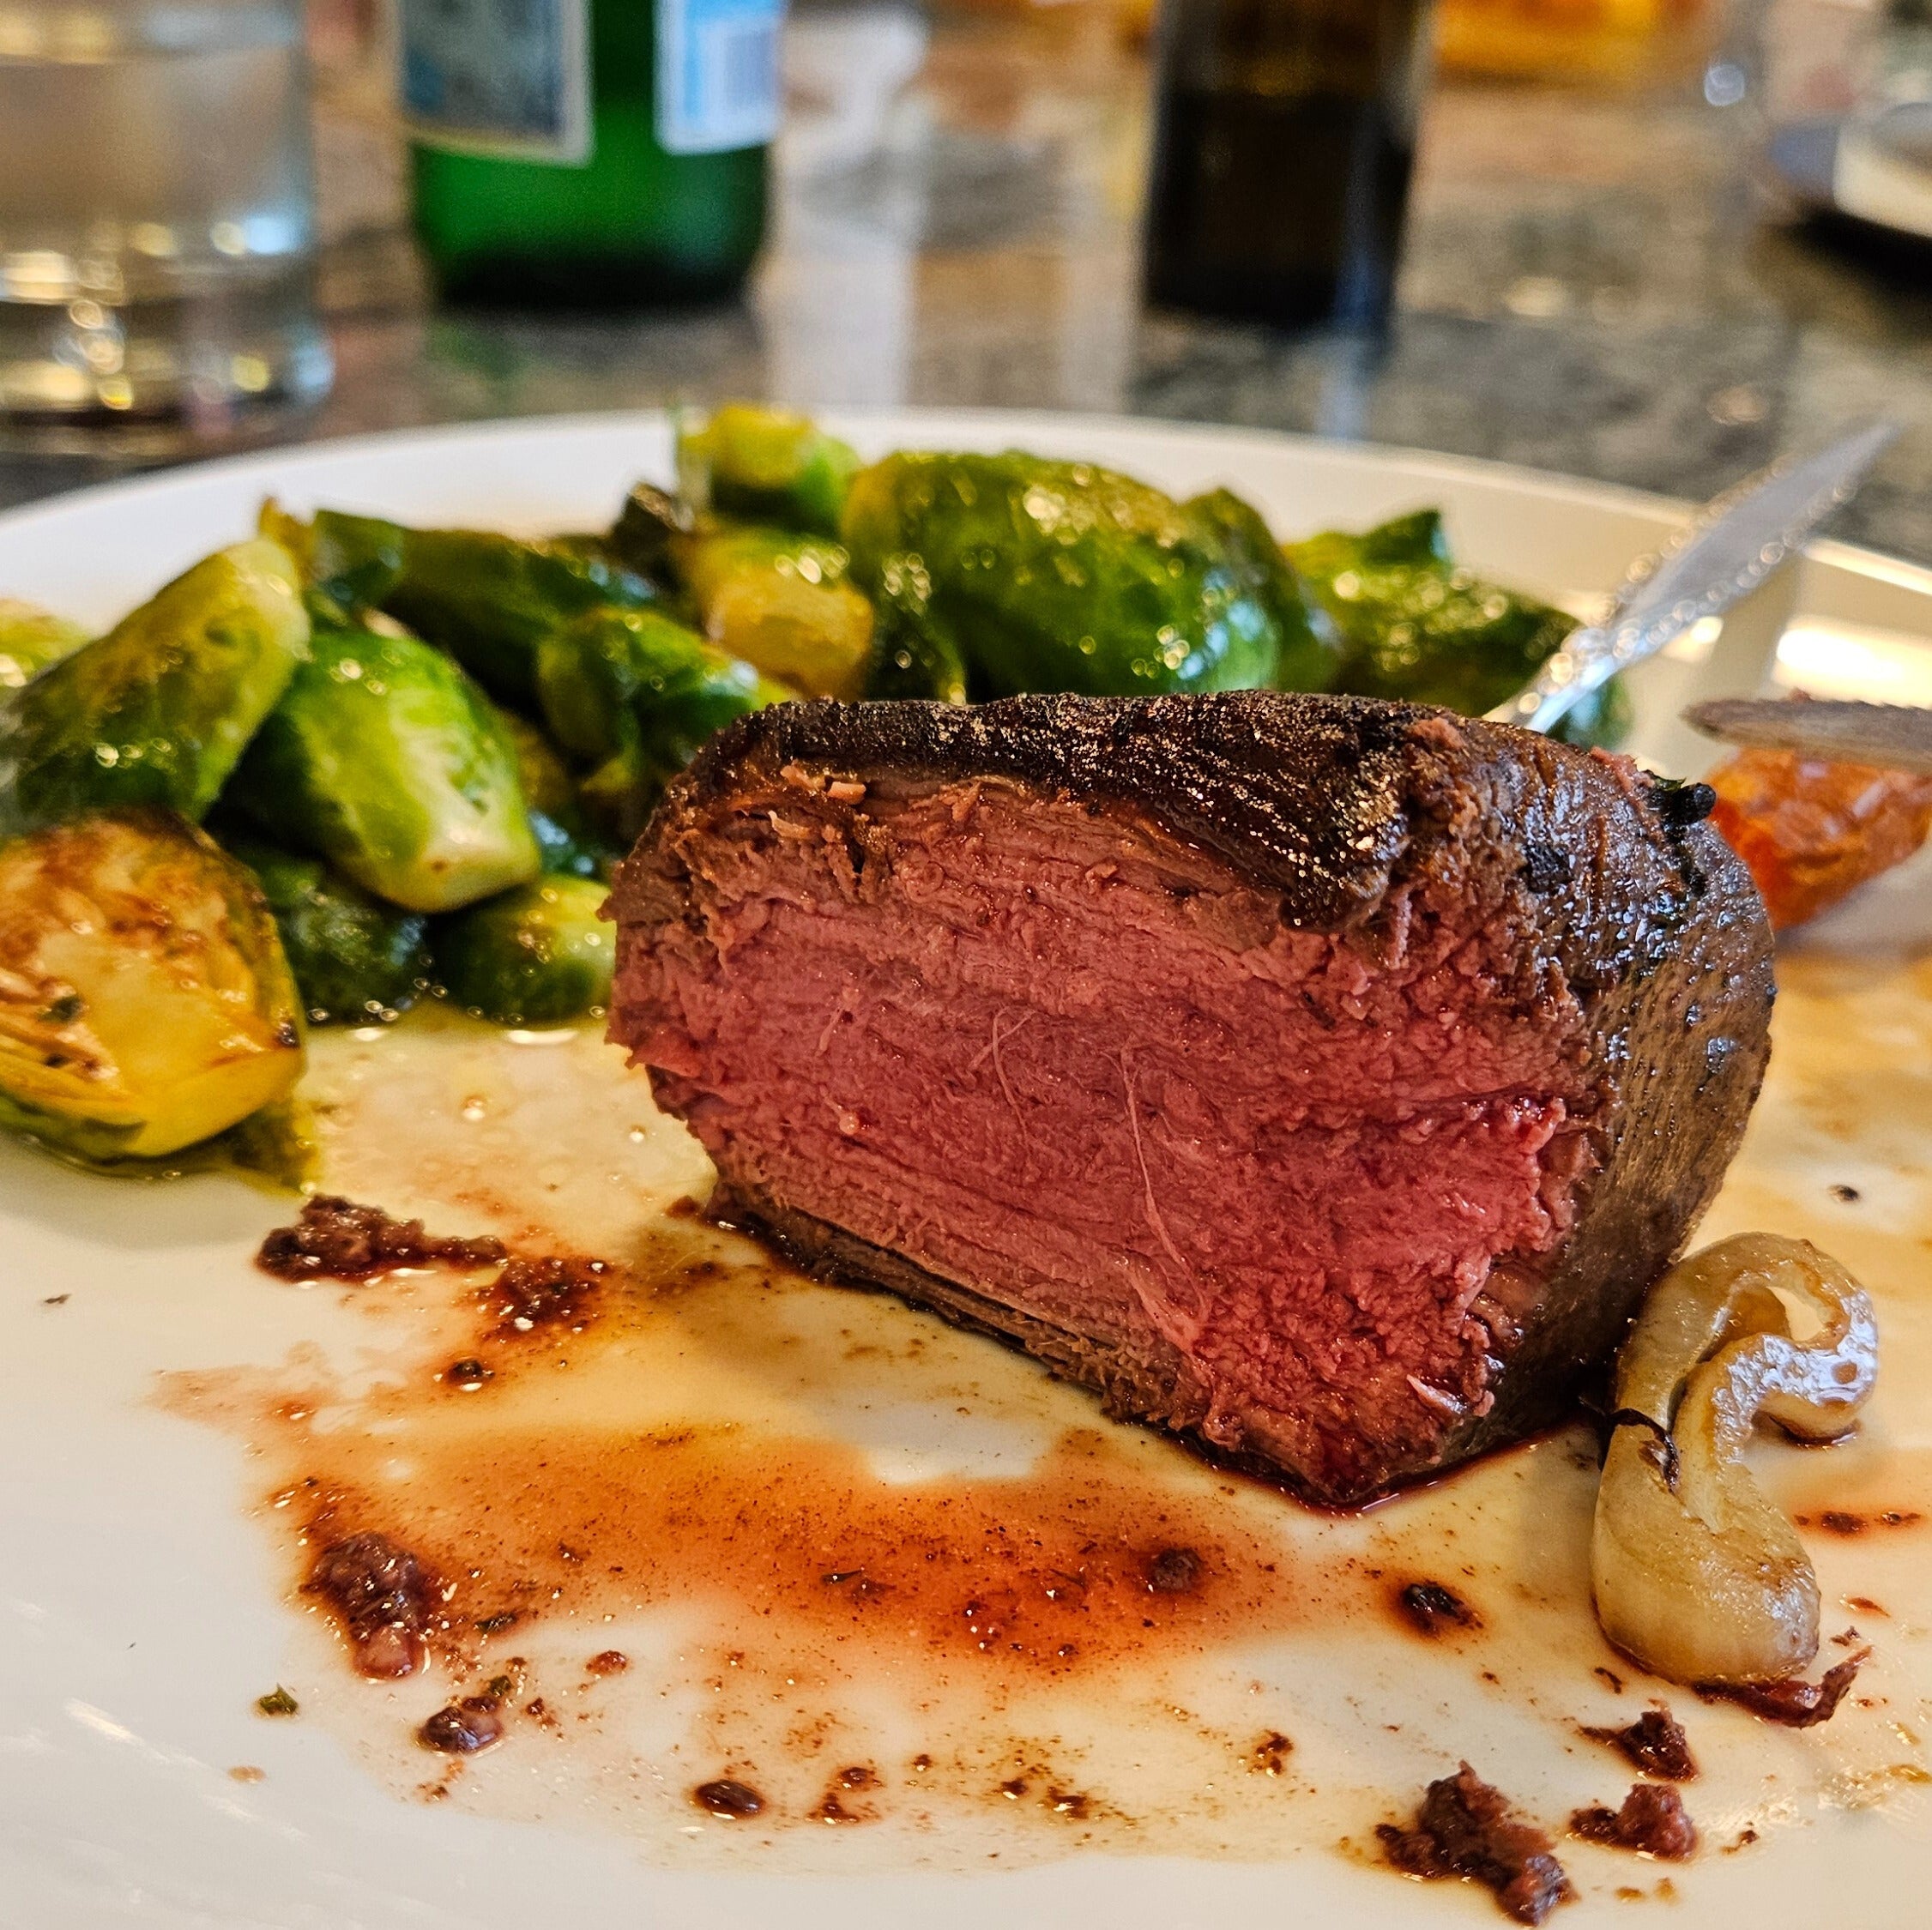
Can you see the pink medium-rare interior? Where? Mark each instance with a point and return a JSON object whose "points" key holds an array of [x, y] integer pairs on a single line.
{"points": [[1071, 1064]]}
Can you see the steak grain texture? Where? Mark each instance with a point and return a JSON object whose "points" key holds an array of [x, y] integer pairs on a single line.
{"points": [[1327, 1079]]}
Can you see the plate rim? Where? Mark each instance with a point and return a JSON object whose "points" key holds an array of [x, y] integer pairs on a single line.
{"points": [[1559, 485]]}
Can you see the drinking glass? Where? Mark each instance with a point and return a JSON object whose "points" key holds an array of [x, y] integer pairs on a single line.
{"points": [[157, 221]]}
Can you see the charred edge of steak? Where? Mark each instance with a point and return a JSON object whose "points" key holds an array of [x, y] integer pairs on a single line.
{"points": [[1249, 775], [1336, 805], [1465, 1829], [1305, 794]]}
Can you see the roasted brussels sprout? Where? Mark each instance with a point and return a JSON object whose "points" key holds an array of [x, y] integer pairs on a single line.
{"points": [[1043, 576], [569, 845], [781, 602], [30, 639], [766, 465], [637, 695], [533, 956], [1311, 644], [490, 600], [651, 528], [1416, 626], [911, 660], [145, 1002], [157, 711], [385, 759], [484, 598], [355, 958]]}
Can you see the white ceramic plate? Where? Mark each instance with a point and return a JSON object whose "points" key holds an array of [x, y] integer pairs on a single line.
{"points": [[144, 1597]]}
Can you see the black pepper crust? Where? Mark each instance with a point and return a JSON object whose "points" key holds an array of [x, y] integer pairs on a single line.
{"points": [[1612, 896]]}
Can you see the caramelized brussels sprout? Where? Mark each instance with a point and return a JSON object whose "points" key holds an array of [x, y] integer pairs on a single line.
{"points": [[767, 465], [538, 955], [30, 639], [145, 1002], [782, 603], [157, 711], [355, 958], [637, 695], [1042, 576], [385, 759], [778, 599]]}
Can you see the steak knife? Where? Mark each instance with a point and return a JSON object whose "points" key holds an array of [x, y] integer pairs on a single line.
{"points": [[1729, 547]]}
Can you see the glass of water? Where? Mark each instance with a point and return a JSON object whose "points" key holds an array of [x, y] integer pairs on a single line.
{"points": [[157, 221]]}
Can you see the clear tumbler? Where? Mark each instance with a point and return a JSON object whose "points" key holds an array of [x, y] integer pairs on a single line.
{"points": [[157, 221]]}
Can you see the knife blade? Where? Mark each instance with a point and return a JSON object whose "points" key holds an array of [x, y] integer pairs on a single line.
{"points": [[1895, 736], [1724, 554]]}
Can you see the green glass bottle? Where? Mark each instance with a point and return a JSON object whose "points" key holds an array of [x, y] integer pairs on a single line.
{"points": [[590, 153]]}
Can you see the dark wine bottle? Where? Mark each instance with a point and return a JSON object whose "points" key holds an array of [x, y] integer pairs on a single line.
{"points": [[1285, 130], [591, 152]]}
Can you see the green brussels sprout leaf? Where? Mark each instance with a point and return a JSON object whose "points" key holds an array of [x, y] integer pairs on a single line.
{"points": [[157, 711]]}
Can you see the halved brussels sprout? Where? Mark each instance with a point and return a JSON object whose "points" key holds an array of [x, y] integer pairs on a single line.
{"points": [[385, 759], [30, 639], [781, 602], [1419, 629], [637, 695], [534, 957], [1045, 576], [145, 1002], [490, 600], [569, 847], [768, 467], [355, 958], [157, 711]]}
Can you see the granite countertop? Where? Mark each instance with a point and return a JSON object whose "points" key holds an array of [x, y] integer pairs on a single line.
{"points": [[1593, 284]]}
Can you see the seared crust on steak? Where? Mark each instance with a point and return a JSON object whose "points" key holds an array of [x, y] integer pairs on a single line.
{"points": [[1631, 937]]}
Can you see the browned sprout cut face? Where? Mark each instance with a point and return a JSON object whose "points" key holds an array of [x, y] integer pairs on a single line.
{"points": [[145, 1003], [1696, 1574]]}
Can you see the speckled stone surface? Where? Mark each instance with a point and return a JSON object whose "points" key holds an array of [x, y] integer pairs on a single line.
{"points": [[1593, 285]]}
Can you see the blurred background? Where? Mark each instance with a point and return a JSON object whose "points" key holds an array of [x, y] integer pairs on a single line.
{"points": [[1650, 241]]}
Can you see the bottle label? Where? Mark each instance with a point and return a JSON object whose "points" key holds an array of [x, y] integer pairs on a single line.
{"points": [[717, 74], [503, 77]]}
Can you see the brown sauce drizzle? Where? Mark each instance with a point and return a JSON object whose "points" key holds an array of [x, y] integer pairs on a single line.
{"points": [[1465, 1828], [335, 1239], [1655, 1743], [1797, 1706], [727, 1797], [385, 1599], [1845, 1521], [549, 1290], [1431, 1609], [463, 1728], [1652, 1822]]}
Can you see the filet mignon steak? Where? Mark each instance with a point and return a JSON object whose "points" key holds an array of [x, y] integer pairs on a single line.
{"points": [[1327, 1078]]}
